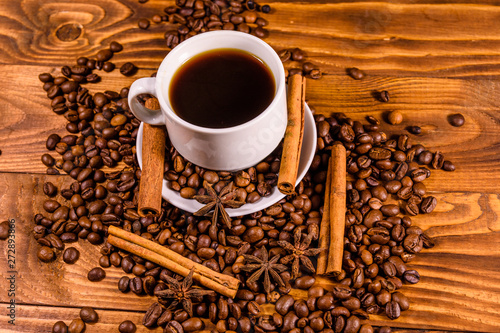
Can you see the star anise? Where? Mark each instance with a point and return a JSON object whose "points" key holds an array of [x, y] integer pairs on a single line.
{"points": [[264, 266], [300, 252], [182, 292], [226, 198]]}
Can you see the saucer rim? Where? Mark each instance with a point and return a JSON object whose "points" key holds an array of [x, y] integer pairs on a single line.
{"points": [[191, 205]]}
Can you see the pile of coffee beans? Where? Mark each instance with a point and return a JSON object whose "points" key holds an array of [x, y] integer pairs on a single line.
{"points": [[188, 18], [250, 184], [380, 238], [385, 189]]}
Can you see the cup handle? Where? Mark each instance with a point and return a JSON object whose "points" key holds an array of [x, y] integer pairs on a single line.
{"points": [[144, 86]]}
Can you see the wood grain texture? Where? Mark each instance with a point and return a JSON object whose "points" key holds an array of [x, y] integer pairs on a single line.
{"points": [[340, 34], [459, 287], [425, 102], [33, 318]]}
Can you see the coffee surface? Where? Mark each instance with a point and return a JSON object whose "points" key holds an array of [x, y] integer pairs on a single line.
{"points": [[221, 88]]}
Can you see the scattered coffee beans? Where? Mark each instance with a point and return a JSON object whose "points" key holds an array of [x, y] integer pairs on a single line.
{"points": [[380, 237]]}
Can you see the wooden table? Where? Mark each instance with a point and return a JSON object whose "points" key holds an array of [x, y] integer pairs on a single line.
{"points": [[434, 57]]}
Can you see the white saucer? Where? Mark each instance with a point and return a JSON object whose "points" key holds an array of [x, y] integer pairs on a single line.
{"points": [[191, 205]]}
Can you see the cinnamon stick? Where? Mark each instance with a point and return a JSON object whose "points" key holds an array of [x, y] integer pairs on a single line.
{"points": [[294, 133], [223, 284], [153, 157], [324, 227], [337, 207]]}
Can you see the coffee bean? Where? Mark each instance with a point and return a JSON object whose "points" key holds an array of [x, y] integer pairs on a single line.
{"points": [[152, 314], [402, 300], [96, 274], [414, 130], [175, 327], [325, 302], [304, 282], [283, 304], [46, 254], [108, 66], [49, 189], [88, 315], [128, 69], [193, 325], [456, 120], [115, 47], [411, 276], [60, 327], [136, 286], [70, 255], [428, 204], [76, 326], [52, 141], [289, 321], [384, 329], [104, 55], [4, 230], [48, 160], [355, 73], [127, 327], [384, 96], [393, 310], [395, 117], [123, 284], [45, 77], [352, 324], [448, 166], [143, 23], [93, 78], [104, 261]]}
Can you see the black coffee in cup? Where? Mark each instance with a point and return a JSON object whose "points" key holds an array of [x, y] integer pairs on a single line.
{"points": [[221, 88]]}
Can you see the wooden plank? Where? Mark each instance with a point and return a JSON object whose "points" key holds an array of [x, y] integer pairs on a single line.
{"points": [[425, 102], [30, 120], [459, 273], [343, 34], [54, 283]]}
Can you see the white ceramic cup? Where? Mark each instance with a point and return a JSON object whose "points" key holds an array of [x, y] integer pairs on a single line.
{"points": [[232, 148]]}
